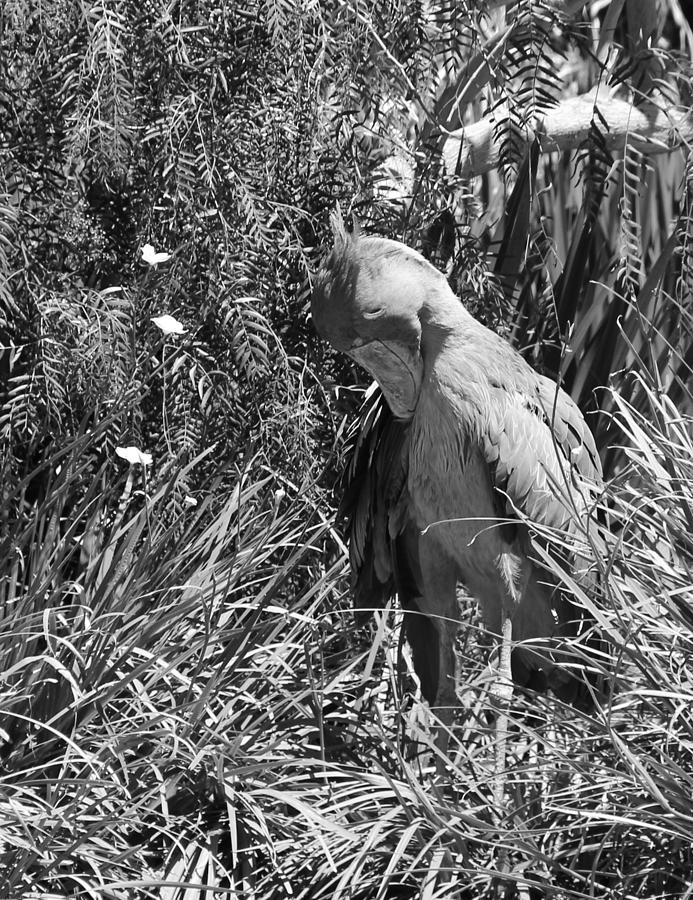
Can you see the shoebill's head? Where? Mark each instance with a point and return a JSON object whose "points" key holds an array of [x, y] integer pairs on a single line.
{"points": [[370, 300]]}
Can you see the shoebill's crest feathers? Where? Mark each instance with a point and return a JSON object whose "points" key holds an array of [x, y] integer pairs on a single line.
{"points": [[482, 442]]}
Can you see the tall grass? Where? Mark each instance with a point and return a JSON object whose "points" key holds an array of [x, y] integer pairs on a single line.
{"points": [[188, 710], [145, 682]]}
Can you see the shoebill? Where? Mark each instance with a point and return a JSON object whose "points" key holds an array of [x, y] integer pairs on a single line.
{"points": [[445, 490]]}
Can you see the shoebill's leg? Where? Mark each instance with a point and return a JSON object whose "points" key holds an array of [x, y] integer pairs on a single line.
{"points": [[503, 690], [515, 571], [439, 602], [514, 575], [419, 630]]}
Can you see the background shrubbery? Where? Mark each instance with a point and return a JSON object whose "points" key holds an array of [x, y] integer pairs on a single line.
{"points": [[188, 708]]}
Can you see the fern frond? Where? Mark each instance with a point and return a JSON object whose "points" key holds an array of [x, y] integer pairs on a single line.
{"points": [[8, 306], [684, 282], [635, 172], [593, 163], [528, 79], [254, 342], [103, 123]]}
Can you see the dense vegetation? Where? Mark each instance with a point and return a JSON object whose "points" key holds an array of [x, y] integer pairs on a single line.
{"points": [[188, 708]]}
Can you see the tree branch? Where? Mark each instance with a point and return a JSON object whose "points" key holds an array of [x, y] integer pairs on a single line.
{"points": [[476, 149]]}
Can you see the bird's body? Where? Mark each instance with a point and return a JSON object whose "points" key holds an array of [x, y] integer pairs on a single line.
{"points": [[480, 445]]}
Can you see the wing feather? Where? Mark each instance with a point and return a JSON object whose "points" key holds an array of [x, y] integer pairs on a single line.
{"points": [[539, 448], [373, 504]]}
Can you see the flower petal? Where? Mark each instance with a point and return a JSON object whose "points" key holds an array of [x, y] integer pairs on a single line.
{"points": [[168, 324], [149, 255], [134, 456]]}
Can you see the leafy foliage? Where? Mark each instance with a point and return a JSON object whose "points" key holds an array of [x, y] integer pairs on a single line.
{"points": [[188, 706]]}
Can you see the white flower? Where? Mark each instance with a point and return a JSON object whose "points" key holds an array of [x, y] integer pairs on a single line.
{"points": [[134, 456], [149, 255], [189, 501], [168, 324]]}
